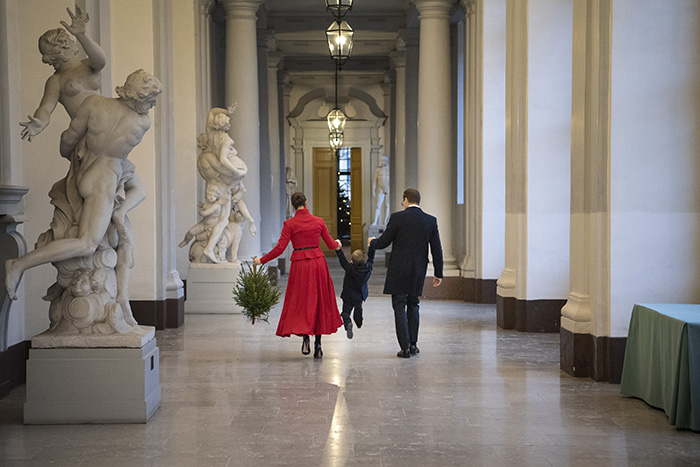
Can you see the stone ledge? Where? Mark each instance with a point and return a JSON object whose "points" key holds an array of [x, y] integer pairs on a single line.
{"points": [[139, 337]]}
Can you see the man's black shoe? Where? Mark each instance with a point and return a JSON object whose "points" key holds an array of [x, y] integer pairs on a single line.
{"points": [[404, 354], [414, 350]]}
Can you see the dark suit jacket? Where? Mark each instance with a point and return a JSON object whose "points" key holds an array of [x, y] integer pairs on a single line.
{"points": [[356, 277], [410, 232]]}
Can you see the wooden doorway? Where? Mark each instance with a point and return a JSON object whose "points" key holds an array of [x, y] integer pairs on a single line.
{"points": [[325, 193]]}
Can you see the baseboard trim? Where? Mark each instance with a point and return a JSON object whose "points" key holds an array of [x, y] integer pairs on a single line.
{"points": [[13, 367], [150, 312], [528, 315], [597, 357], [479, 290], [451, 288], [175, 312]]}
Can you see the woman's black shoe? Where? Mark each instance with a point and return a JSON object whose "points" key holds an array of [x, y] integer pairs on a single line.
{"points": [[305, 345], [318, 353]]}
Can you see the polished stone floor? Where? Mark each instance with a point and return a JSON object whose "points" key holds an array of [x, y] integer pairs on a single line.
{"points": [[234, 394]]}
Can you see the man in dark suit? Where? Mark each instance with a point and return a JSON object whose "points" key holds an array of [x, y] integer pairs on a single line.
{"points": [[409, 232]]}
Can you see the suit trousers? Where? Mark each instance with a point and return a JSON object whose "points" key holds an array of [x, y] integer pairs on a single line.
{"points": [[406, 318]]}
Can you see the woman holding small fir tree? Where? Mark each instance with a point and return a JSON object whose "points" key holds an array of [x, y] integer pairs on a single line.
{"points": [[309, 303]]}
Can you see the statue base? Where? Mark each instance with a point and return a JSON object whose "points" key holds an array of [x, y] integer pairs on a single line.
{"points": [[377, 231], [137, 338], [92, 385], [210, 288]]}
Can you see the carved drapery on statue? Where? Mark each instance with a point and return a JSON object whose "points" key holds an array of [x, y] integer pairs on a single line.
{"points": [[215, 238]]}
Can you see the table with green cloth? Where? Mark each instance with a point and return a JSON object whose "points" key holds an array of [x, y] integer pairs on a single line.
{"points": [[662, 361]]}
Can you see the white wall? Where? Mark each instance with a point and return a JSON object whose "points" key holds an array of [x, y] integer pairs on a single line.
{"points": [[42, 164], [549, 148], [494, 144], [655, 201], [132, 48], [185, 125]]}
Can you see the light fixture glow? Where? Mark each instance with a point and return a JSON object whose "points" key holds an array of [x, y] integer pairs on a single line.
{"points": [[336, 120], [338, 8], [340, 38]]}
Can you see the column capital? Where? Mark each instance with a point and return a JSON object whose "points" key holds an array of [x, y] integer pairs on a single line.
{"points": [[434, 9], [286, 81], [409, 36], [205, 7], [387, 80], [469, 6], [398, 58], [241, 9], [273, 58], [267, 39]]}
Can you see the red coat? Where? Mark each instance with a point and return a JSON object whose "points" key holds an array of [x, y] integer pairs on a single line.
{"points": [[309, 304]]}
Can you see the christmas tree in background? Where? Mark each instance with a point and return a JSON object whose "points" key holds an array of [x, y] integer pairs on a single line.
{"points": [[343, 212]]}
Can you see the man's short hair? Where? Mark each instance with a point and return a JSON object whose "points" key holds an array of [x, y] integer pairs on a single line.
{"points": [[412, 195], [359, 257]]}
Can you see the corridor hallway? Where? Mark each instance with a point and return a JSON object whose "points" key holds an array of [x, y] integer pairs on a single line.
{"points": [[235, 395]]}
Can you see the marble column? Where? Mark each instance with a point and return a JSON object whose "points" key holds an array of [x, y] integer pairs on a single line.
{"points": [[512, 281], [435, 151], [398, 164], [298, 158], [387, 88], [471, 269], [410, 38], [203, 58], [268, 178], [168, 279], [587, 310], [242, 87], [534, 283], [286, 87], [277, 168]]}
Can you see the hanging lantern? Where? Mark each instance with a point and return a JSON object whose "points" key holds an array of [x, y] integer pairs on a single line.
{"points": [[336, 120], [340, 37], [336, 139], [338, 8]]}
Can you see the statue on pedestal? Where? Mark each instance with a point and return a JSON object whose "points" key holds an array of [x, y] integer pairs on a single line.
{"points": [[217, 235], [381, 188]]}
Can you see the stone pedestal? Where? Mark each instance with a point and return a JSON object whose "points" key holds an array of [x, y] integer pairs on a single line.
{"points": [[377, 231], [210, 288], [92, 385]]}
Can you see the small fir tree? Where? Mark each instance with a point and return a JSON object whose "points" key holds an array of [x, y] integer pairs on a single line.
{"points": [[255, 293]]}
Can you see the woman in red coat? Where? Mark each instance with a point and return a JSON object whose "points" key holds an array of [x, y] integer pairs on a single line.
{"points": [[309, 303]]}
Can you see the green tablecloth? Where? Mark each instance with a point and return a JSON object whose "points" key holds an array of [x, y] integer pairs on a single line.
{"points": [[662, 361]]}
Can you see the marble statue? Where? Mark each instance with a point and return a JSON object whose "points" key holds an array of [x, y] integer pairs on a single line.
{"points": [[291, 189], [90, 241], [381, 188], [215, 238]]}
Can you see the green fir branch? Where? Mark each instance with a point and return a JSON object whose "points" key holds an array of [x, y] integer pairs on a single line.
{"points": [[255, 293]]}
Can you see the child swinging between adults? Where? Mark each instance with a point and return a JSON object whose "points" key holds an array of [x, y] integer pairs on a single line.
{"points": [[309, 303]]}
